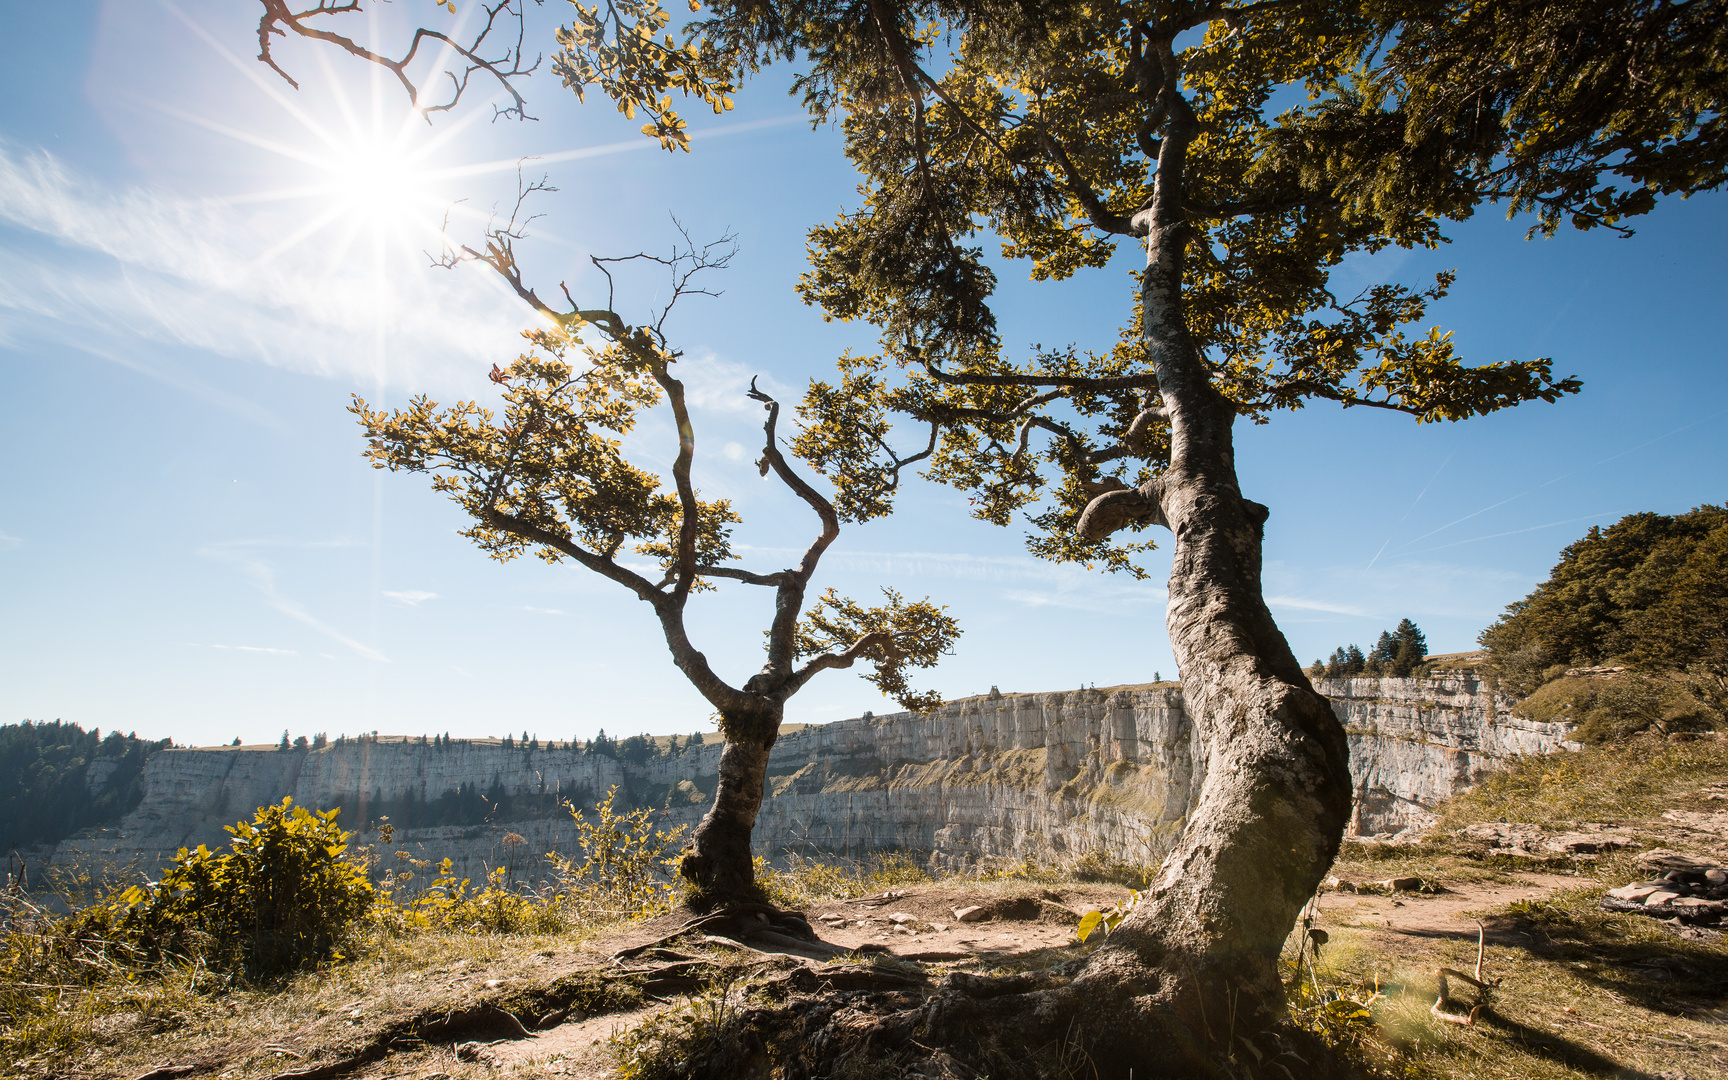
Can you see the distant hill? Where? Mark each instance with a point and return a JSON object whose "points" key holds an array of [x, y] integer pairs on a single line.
{"points": [[56, 779]]}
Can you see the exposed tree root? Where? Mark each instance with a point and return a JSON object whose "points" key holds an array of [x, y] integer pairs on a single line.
{"points": [[761, 928], [1018, 1027]]}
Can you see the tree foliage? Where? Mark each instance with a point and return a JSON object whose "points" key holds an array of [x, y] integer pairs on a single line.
{"points": [[1043, 127], [47, 771], [1580, 111], [548, 474], [1651, 589]]}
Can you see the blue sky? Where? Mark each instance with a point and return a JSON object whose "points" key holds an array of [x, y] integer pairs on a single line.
{"points": [[199, 264]]}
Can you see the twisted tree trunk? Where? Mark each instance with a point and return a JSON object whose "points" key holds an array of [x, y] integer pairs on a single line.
{"points": [[1197, 959], [717, 860], [1191, 977]]}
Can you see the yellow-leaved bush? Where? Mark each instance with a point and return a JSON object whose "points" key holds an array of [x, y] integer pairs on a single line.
{"points": [[281, 897]]}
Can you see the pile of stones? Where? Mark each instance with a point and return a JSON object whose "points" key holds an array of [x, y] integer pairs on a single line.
{"points": [[1679, 887]]}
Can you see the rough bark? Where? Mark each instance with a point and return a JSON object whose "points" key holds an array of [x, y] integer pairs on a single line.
{"points": [[1196, 962], [717, 860]]}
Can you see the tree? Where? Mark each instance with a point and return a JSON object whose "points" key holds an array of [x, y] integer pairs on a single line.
{"points": [[550, 477], [1411, 648], [1063, 128], [1650, 590], [1384, 655]]}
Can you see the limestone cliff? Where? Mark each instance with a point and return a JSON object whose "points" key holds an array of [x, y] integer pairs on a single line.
{"points": [[1046, 776]]}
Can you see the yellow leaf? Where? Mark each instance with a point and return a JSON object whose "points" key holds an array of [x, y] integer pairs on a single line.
{"points": [[1089, 922]]}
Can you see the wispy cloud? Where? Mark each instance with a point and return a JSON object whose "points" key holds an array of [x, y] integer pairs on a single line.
{"points": [[714, 383], [247, 648], [8, 541], [541, 610], [410, 597], [1406, 588], [192, 273], [1297, 603], [263, 578]]}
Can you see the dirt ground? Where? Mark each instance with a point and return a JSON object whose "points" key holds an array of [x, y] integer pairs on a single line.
{"points": [[1033, 927]]}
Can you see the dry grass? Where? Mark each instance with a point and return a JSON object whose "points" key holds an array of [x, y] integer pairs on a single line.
{"points": [[120, 1027], [1582, 993], [1627, 781]]}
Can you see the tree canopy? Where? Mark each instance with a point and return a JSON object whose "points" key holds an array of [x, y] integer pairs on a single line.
{"points": [[550, 475], [49, 791], [1651, 589]]}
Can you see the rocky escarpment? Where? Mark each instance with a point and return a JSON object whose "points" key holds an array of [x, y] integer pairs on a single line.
{"points": [[1048, 776], [1413, 742]]}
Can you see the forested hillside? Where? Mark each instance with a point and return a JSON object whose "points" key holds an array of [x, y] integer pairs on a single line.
{"points": [[1650, 591], [1645, 598], [46, 788]]}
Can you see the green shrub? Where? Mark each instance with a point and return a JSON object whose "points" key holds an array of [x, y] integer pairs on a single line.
{"points": [[450, 903], [1611, 710], [281, 898], [621, 873]]}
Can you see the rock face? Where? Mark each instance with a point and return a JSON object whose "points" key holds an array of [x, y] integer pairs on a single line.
{"points": [[1413, 742], [1048, 776]]}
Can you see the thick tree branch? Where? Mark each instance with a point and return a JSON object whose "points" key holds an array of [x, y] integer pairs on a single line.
{"points": [[858, 650], [1096, 212], [600, 564], [1119, 509], [1147, 381]]}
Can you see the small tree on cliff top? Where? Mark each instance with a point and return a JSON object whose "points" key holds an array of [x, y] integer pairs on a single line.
{"points": [[549, 476]]}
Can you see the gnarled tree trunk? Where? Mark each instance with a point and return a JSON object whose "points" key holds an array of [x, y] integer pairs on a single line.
{"points": [[717, 860], [1192, 974]]}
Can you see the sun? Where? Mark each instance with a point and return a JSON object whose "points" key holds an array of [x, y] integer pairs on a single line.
{"points": [[377, 182]]}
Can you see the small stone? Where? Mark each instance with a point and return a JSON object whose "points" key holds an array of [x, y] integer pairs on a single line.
{"points": [[1338, 884], [975, 913], [901, 917], [1402, 884], [939, 926], [1690, 901], [1659, 897], [1632, 893], [1716, 877], [493, 984]]}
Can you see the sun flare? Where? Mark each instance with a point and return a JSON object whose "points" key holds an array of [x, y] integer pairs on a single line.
{"points": [[377, 183]]}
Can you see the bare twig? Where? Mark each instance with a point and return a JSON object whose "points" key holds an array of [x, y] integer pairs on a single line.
{"points": [[279, 20]]}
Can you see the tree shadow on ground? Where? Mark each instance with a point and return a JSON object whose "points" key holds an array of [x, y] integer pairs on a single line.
{"points": [[1558, 1049]]}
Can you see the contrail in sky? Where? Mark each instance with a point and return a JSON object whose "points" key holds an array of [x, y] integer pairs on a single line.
{"points": [[1412, 509], [1556, 480]]}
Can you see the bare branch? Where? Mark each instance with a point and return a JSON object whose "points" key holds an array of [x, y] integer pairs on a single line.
{"points": [[279, 20], [777, 578]]}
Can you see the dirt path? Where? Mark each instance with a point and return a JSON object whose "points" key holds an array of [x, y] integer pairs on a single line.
{"points": [[1443, 915]]}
